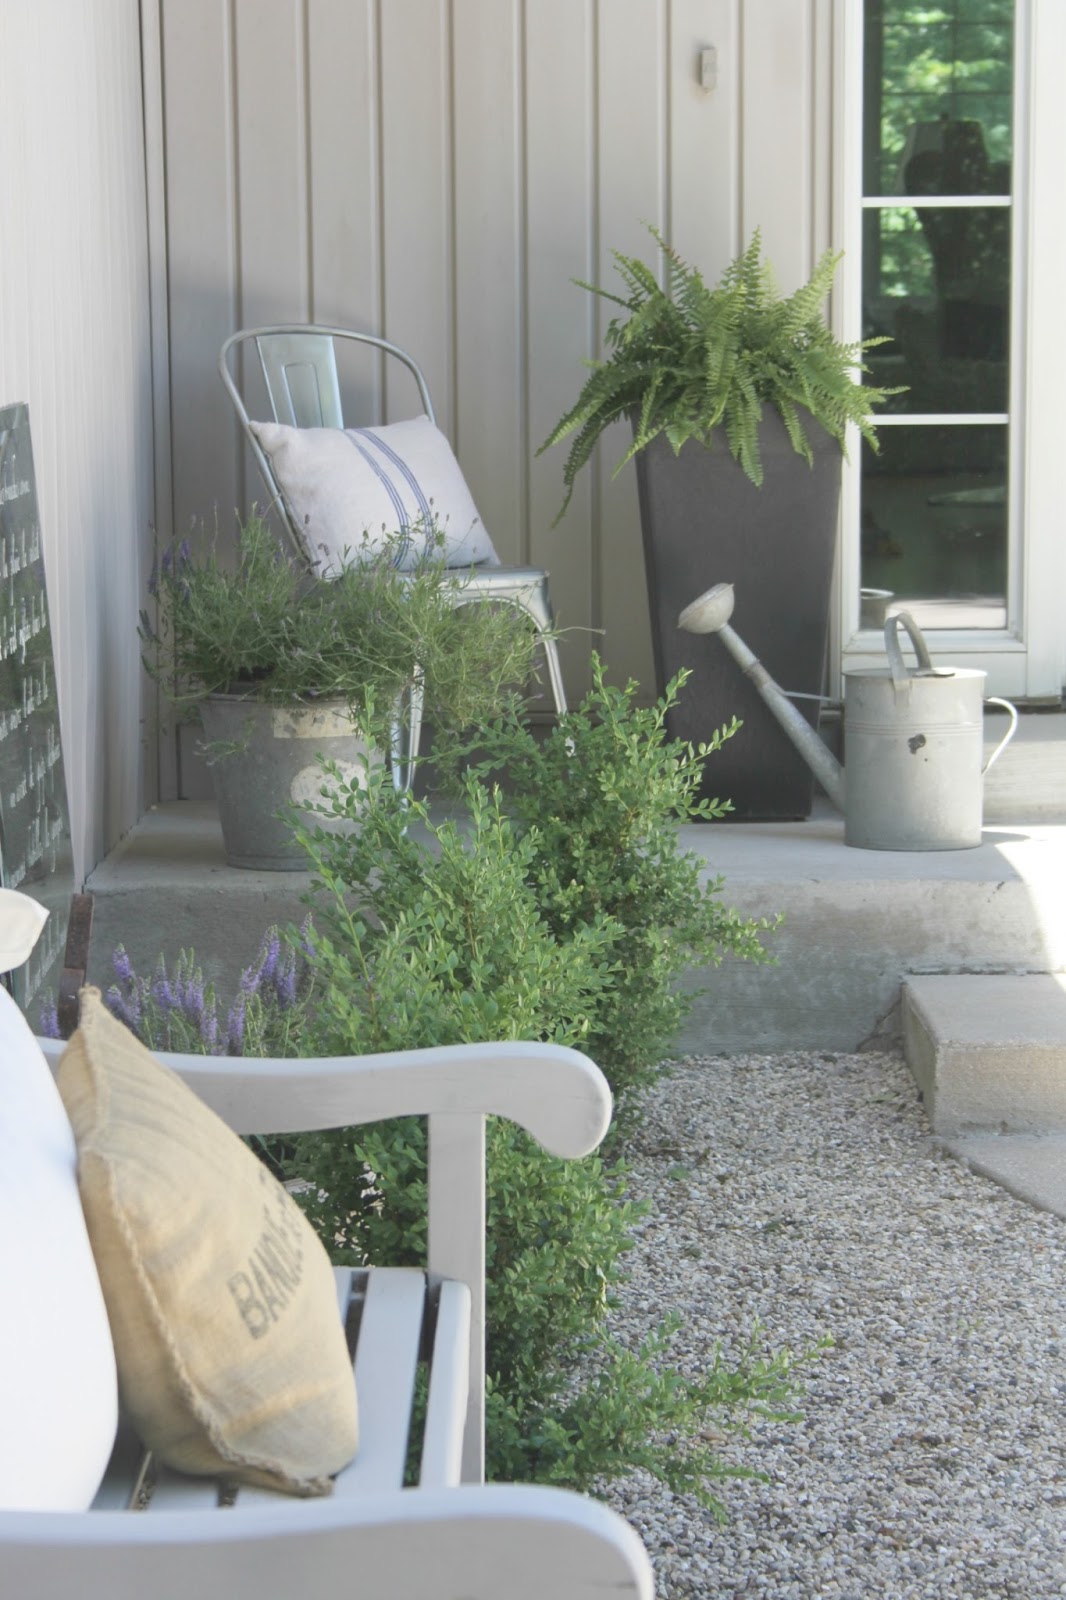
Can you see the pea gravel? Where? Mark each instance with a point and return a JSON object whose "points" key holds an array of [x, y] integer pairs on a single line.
{"points": [[805, 1191]]}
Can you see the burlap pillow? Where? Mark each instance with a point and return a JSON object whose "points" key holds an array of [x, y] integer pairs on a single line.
{"points": [[231, 1357]]}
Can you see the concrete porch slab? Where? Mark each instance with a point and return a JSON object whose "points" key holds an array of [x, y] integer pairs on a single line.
{"points": [[856, 921]]}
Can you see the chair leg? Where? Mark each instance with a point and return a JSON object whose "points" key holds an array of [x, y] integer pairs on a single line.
{"points": [[406, 735], [555, 672], [415, 702]]}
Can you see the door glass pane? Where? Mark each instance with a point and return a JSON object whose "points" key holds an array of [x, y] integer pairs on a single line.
{"points": [[934, 524], [936, 280], [936, 276], [937, 92]]}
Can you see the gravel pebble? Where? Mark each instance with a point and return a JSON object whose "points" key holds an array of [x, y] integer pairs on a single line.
{"points": [[804, 1191]]}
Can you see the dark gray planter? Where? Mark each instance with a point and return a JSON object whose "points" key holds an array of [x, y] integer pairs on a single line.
{"points": [[705, 522]]}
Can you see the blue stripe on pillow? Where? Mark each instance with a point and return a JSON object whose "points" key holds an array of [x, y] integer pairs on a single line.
{"points": [[403, 526], [424, 504]]}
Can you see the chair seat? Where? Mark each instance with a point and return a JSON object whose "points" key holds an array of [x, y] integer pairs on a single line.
{"points": [[395, 1317]]}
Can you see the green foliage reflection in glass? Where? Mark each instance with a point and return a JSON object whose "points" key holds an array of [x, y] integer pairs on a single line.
{"points": [[925, 62]]}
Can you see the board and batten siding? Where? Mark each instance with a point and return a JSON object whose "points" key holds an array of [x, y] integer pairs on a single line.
{"points": [[438, 171], [75, 345]]}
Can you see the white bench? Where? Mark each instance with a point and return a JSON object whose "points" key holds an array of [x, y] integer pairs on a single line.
{"points": [[451, 1537]]}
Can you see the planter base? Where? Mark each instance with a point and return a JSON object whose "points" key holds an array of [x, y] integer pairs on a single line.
{"points": [[273, 762]]}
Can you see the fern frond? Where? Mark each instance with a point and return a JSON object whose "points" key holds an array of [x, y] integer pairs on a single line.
{"points": [[685, 359]]}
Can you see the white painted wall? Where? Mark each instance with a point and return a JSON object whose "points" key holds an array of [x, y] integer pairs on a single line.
{"points": [[437, 171], [74, 344]]}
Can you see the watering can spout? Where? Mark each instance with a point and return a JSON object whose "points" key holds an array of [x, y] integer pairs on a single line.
{"points": [[710, 613]]}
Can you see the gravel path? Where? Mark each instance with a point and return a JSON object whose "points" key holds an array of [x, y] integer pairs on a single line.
{"points": [[804, 1190]]}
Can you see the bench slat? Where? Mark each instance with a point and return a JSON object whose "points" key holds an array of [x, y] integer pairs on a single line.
{"points": [[386, 1360], [125, 1472], [442, 1444], [342, 1279], [175, 1491]]}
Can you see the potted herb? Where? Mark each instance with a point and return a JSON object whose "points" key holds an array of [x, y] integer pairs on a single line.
{"points": [[283, 668], [739, 401]]}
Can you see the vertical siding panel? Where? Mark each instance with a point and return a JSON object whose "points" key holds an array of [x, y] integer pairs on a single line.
{"points": [[202, 253], [560, 228], [823, 236], [776, 134], [417, 185], [343, 198], [74, 345], [704, 190], [271, 161], [632, 161], [488, 431], [272, 215], [160, 749]]}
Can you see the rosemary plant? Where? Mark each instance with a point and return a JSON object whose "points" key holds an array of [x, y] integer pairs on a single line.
{"points": [[259, 625]]}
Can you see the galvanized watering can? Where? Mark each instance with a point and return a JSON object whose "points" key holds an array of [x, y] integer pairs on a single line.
{"points": [[913, 737]]}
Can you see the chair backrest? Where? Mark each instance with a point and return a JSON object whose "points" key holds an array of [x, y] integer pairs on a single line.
{"points": [[299, 367]]}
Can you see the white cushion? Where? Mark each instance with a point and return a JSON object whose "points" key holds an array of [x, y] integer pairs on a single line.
{"points": [[58, 1390], [348, 489]]}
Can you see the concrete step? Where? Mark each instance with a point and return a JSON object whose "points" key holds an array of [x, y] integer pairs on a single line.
{"points": [[988, 1051], [1030, 1166]]}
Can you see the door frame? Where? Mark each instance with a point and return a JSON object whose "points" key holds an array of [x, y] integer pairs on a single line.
{"points": [[1026, 660]]}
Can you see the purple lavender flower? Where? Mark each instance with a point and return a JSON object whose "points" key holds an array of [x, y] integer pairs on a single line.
{"points": [[249, 983], [167, 564], [161, 991], [269, 952], [184, 554], [235, 1027], [49, 1021], [123, 966], [115, 1001], [193, 998], [285, 983], [209, 1033]]}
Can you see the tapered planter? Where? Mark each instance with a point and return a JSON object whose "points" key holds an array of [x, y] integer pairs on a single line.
{"points": [[265, 757], [705, 522]]}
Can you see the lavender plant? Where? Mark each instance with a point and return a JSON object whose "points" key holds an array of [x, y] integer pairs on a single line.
{"points": [[176, 1010]]}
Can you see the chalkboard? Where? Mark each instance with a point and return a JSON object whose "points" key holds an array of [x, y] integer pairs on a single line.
{"points": [[35, 850]]}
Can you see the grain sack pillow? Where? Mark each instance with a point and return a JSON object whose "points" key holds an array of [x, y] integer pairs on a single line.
{"points": [[348, 490], [231, 1356], [58, 1397]]}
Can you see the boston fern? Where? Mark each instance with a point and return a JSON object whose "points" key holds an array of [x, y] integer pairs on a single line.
{"points": [[687, 359]]}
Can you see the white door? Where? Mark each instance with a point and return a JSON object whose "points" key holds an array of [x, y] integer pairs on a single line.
{"points": [[950, 198]]}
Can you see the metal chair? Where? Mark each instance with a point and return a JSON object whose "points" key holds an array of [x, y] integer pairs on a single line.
{"points": [[299, 366]]}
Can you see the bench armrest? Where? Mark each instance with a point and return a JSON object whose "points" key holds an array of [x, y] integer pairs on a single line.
{"points": [[558, 1095]]}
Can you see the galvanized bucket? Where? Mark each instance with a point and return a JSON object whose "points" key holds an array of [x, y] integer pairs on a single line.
{"points": [[264, 758], [914, 741]]}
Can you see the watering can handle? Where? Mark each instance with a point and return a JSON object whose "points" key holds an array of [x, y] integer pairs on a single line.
{"points": [[1012, 712], [900, 675]]}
